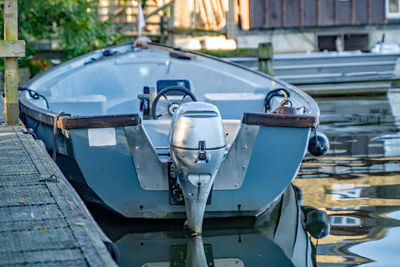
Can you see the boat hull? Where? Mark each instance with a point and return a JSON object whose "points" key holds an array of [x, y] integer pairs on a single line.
{"points": [[94, 111], [108, 174]]}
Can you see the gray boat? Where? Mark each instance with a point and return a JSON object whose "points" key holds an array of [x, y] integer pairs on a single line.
{"points": [[156, 132]]}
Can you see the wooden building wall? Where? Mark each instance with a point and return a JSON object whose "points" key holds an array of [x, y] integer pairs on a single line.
{"points": [[310, 13]]}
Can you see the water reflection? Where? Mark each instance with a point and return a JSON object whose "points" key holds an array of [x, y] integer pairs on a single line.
{"points": [[277, 238], [358, 182]]}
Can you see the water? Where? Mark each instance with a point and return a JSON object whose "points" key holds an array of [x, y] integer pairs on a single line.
{"points": [[357, 183]]}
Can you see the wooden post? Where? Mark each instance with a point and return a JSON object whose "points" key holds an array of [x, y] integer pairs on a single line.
{"points": [[244, 10], [265, 58], [231, 27], [171, 20], [11, 110]]}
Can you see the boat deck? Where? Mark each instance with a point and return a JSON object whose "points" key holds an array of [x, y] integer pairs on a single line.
{"points": [[41, 222]]}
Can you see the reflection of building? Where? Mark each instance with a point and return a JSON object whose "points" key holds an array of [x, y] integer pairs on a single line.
{"points": [[344, 220], [357, 211], [358, 182], [361, 140]]}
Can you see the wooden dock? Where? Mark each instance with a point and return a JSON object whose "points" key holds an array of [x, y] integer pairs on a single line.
{"points": [[42, 222]]}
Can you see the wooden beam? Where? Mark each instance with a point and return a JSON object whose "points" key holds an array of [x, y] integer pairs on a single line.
{"points": [[301, 13], [12, 48], [369, 12], [240, 52], [231, 26], [203, 16], [265, 58], [283, 3], [129, 26], [266, 19], [335, 15], [209, 15], [11, 110], [244, 10], [219, 14]]}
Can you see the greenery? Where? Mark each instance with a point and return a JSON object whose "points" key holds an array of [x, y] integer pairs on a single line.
{"points": [[72, 24]]}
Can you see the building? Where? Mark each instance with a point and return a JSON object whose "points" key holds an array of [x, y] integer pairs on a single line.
{"points": [[291, 25], [316, 25]]}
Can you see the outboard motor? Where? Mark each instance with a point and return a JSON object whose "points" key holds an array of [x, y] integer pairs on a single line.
{"points": [[197, 145], [195, 253]]}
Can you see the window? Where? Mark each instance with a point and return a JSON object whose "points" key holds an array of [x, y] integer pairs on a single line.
{"points": [[339, 220], [348, 41], [393, 9]]}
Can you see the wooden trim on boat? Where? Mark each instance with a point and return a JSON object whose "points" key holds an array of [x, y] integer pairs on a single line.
{"points": [[79, 122], [105, 121], [298, 121]]}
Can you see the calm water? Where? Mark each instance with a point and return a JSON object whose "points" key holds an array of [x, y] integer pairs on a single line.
{"points": [[357, 183]]}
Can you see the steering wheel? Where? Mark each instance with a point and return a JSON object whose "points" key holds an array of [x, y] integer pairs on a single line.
{"points": [[173, 104]]}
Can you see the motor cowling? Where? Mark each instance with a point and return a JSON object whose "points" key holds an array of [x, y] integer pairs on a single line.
{"points": [[197, 139], [197, 146]]}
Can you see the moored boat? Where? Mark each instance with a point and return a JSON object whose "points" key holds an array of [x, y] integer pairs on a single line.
{"points": [[155, 132]]}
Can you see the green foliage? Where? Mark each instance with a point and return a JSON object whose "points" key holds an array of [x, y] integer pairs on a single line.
{"points": [[73, 24]]}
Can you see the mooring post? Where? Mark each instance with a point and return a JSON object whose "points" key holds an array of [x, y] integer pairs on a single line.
{"points": [[265, 58], [11, 49]]}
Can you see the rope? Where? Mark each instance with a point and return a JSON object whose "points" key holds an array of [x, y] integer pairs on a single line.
{"points": [[34, 95], [273, 93], [284, 102], [55, 121], [29, 131]]}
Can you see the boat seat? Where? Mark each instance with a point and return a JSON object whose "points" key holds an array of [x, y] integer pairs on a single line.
{"points": [[123, 105], [231, 128], [84, 105], [158, 133], [232, 105]]}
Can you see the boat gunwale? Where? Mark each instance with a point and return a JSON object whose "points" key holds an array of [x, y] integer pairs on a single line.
{"points": [[279, 120], [45, 116], [66, 122]]}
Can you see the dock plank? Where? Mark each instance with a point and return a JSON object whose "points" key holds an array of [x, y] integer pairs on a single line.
{"points": [[50, 256], [42, 223]]}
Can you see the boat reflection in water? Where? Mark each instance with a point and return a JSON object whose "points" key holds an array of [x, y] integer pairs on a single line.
{"points": [[276, 238]]}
